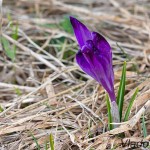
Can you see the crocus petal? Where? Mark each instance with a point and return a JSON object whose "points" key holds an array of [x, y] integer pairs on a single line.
{"points": [[82, 33], [101, 44], [107, 68], [104, 50], [106, 76], [97, 66], [102, 71], [86, 60], [88, 55], [83, 63]]}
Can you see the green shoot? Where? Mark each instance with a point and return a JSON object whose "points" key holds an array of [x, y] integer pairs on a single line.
{"points": [[66, 25], [18, 91], [1, 109], [9, 52], [121, 91], [110, 126], [36, 142], [51, 141], [15, 36], [130, 105]]}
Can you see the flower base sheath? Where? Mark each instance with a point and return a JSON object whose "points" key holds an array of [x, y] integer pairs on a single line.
{"points": [[95, 58]]}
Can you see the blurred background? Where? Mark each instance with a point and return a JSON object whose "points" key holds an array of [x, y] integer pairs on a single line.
{"points": [[43, 91]]}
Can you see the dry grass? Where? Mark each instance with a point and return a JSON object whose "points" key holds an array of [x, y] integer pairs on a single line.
{"points": [[43, 91]]}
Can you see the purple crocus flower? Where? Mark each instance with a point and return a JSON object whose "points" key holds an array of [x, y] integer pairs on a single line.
{"points": [[94, 56]]}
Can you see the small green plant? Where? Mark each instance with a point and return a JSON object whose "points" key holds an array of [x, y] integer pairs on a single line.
{"points": [[120, 100], [66, 25], [110, 126], [94, 59], [18, 91], [51, 141], [1, 109], [48, 145], [9, 49], [11, 53], [36, 142]]}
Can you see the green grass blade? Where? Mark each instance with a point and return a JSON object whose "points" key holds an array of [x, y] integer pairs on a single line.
{"points": [[66, 25], [121, 91], [144, 126], [125, 54], [51, 141], [15, 37], [18, 91], [46, 145], [9, 52], [110, 126], [1, 109], [15, 32], [36, 142], [130, 105]]}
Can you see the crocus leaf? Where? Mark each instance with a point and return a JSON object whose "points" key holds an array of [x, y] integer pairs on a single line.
{"points": [[51, 141], [130, 105], [110, 126], [144, 126], [121, 91]]}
